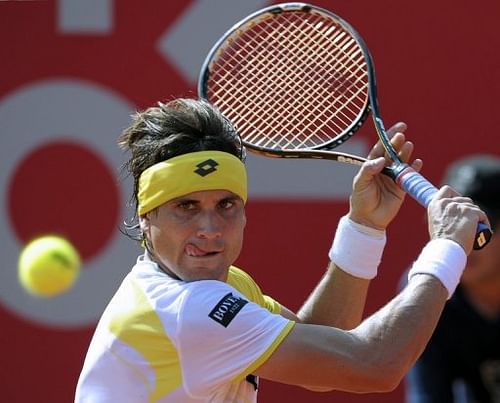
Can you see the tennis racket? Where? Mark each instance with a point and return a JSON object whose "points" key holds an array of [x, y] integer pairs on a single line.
{"points": [[297, 81]]}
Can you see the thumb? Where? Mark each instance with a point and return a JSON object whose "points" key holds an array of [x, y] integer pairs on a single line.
{"points": [[369, 169]]}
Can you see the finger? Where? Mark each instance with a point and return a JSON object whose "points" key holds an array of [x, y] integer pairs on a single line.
{"points": [[464, 200], [446, 192], [400, 145], [368, 170], [378, 150], [483, 217], [417, 164], [399, 127], [405, 151], [464, 204]]}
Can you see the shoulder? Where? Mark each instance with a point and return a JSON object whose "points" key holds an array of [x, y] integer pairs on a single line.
{"points": [[213, 304], [245, 284], [237, 274]]}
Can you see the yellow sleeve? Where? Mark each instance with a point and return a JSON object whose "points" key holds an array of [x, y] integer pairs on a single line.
{"points": [[245, 284], [272, 305]]}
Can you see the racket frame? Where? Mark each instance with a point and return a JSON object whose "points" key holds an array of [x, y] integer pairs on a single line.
{"points": [[406, 177], [327, 146]]}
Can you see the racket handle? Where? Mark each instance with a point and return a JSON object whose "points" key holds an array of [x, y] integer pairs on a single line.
{"points": [[423, 192]]}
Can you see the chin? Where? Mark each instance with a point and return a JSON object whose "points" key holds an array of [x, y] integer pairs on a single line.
{"points": [[204, 273]]}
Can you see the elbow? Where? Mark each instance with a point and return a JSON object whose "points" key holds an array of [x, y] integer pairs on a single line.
{"points": [[392, 374], [379, 379], [382, 371], [384, 360], [318, 388], [388, 383]]}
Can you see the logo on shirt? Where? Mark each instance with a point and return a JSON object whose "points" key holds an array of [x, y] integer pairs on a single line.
{"points": [[227, 308]]}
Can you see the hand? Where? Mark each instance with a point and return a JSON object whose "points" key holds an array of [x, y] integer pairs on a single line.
{"points": [[376, 199], [451, 216]]}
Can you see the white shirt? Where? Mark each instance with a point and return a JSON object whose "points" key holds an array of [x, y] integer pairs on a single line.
{"points": [[166, 340]]}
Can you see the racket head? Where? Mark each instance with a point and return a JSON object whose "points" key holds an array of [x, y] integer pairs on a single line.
{"points": [[290, 77]]}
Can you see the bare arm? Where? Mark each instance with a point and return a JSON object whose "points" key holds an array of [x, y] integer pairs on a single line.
{"points": [[371, 358], [375, 355], [339, 298]]}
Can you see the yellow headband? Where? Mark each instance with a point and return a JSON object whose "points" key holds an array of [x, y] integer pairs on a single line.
{"points": [[193, 172]]}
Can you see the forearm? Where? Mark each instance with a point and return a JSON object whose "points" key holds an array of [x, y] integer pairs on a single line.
{"points": [[402, 328], [338, 300], [373, 357], [376, 355]]}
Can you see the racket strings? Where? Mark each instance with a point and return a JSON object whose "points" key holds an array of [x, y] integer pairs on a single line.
{"points": [[273, 77], [338, 43], [287, 69], [270, 78], [272, 92], [304, 35], [306, 47], [291, 68]]}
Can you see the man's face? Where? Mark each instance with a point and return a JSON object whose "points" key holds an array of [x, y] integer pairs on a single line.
{"points": [[197, 236]]}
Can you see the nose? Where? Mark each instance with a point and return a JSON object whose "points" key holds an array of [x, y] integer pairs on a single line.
{"points": [[209, 226]]}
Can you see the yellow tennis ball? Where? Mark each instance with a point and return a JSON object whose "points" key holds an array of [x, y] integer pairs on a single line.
{"points": [[48, 266]]}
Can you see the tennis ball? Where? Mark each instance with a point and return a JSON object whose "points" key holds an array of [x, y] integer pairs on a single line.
{"points": [[48, 266]]}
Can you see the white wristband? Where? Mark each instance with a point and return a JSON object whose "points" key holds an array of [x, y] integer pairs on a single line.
{"points": [[357, 249], [444, 259]]}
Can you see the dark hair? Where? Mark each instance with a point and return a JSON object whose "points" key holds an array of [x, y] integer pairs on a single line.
{"points": [[174, 128], [478, 177]]}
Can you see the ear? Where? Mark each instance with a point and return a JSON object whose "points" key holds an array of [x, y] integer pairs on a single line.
{"points": [[144, 223]]}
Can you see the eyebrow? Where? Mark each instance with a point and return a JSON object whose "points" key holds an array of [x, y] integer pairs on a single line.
{"points": [[184, 199], [231, 198], [187, 199]]}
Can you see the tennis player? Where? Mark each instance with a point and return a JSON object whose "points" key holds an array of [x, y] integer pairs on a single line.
{"points": [[188, 326]]}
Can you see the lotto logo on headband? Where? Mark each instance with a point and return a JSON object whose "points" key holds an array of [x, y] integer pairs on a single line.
{"points": [[206, 167]]}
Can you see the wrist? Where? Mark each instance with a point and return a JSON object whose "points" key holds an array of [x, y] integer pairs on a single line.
{"points": [[365, 223], [441, 258], [357, 249]]}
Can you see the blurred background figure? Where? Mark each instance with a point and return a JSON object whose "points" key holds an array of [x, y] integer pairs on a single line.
{"points": [[461, 363]]}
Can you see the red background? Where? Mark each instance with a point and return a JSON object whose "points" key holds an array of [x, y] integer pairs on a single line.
{"points": [[438, 69]]}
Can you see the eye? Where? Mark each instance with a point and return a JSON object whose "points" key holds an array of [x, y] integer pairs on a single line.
{"points": [[226, 204], [229, 204], [186, 205]]}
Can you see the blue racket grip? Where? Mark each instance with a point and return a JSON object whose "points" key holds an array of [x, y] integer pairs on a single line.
{"points": [[423, 192]]}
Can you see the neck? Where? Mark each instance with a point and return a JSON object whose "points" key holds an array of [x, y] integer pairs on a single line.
{"points": [[151, 256]]}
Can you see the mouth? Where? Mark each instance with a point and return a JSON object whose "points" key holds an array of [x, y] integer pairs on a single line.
{"points": [[194, 251]]}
